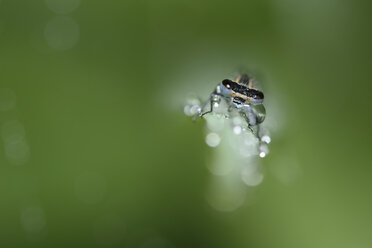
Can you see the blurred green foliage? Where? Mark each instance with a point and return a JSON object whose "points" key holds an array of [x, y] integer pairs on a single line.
{"points": [[110, 160]]}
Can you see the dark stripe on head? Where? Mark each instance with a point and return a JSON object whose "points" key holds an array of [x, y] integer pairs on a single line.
{"points": [[255, 94], [231, 85], [238, 100], [239, 88], [242, 89], [227, 83]]}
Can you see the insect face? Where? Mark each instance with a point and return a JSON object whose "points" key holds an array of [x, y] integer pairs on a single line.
{"points": [[230, 88]]}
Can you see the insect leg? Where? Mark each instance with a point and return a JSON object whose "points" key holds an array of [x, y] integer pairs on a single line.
{"points": [[212, 99], [244, 115], [250, 117]]}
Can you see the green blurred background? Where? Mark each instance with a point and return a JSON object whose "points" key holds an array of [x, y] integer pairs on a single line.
{"points": [[96, 151]]}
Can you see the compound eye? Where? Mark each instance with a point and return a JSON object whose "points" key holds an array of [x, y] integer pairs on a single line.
{"points": [[227, 83], [259, 95]]}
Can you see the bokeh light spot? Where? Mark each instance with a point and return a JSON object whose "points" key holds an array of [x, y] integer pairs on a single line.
{"points": [[264, 150], [62, 33], [212, 139], [237, 130], [17, 151], [33, 219], [266, 139], [251, 176]]}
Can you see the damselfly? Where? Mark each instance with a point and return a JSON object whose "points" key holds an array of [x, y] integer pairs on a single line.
{"points": [[241, 97]]}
